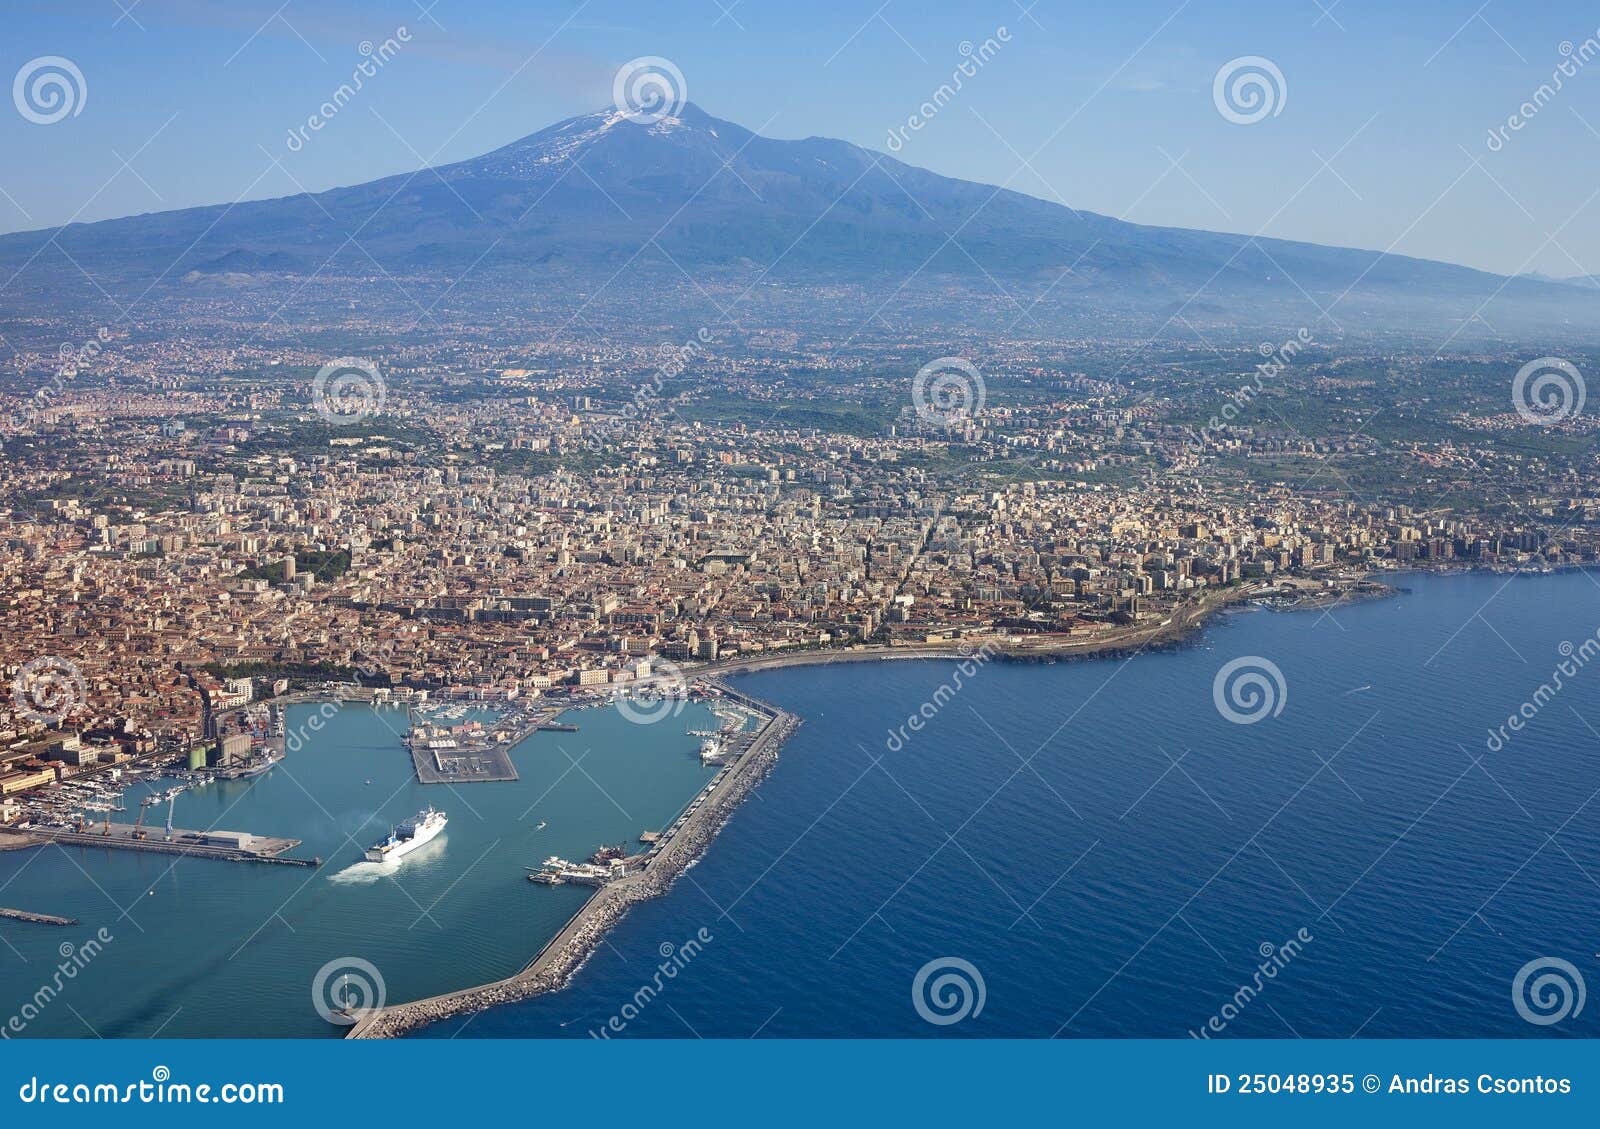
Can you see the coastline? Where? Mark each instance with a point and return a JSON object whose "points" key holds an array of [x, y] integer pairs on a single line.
{"points": [[1173, 631]]}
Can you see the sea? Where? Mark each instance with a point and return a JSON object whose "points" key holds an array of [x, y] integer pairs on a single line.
{"points": [[1099, 849], [1301, 823]]}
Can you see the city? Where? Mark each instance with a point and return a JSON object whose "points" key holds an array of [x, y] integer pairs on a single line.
{"points": [[994, 556]]}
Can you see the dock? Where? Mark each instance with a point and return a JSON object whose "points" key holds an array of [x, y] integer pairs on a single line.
{"points": [[36, 918], [224, 845], [452, 761], [462, 765]]}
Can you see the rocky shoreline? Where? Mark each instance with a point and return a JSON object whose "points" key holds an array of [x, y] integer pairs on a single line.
{"points": [[1175, 632], [567, 952]]}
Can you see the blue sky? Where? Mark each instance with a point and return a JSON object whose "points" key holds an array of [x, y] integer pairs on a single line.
{"points": [[1106, 106]]}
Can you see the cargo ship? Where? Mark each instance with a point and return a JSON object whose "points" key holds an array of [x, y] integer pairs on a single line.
{"points": [[413, 833]]}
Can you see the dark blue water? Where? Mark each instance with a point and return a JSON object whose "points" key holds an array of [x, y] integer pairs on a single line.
{"points": [[1111, 854]]}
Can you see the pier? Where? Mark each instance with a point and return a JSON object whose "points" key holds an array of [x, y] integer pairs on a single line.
{"points": [[228, 846], [36, 918], [462, 765], [478, 762]]}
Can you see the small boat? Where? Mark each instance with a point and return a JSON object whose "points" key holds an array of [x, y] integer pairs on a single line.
{"points": [[541, 826]]}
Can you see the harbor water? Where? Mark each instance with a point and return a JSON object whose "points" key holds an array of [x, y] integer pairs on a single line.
{"points": [[211, 948]]}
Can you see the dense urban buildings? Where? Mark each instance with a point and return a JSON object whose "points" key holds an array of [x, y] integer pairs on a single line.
{"points": [[187, 523]]}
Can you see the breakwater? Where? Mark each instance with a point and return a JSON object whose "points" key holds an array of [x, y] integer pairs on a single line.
{"points": [[36, 918]]}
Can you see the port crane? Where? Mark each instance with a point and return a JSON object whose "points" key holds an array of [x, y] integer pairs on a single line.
{"points": [[171, 796], [144, 806]]}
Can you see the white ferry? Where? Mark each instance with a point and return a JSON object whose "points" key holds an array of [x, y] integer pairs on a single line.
{"points": [[410, 835]]}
